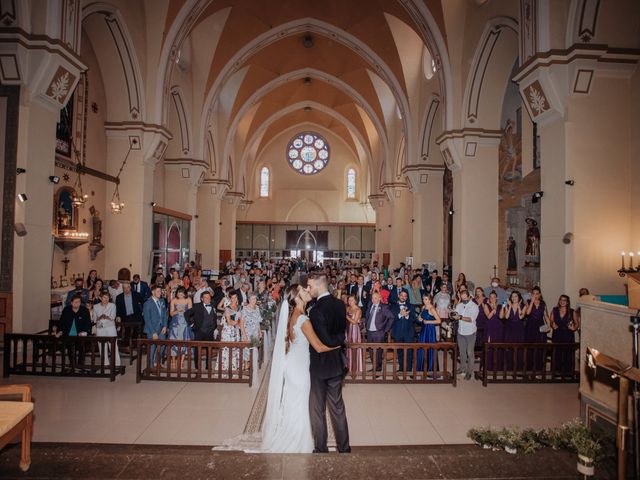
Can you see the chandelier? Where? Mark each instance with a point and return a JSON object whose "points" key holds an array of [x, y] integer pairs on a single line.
{"points": [[117, 205], [79, 198]]}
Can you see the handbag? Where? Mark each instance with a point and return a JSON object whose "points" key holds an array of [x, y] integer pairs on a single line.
{"points": [[544, 328]]}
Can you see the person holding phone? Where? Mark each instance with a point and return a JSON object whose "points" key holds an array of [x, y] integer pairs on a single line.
{"points": [[513, 313]]}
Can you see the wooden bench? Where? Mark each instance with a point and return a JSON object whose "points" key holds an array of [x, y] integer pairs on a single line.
{"points": [[17, 417]]}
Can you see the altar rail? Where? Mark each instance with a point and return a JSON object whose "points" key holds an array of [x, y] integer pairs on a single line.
{"points": [[191, 361], [48, 355], [529, 363], [431, 363]]}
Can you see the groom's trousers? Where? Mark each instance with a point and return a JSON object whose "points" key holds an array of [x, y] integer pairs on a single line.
{"points": [[327, 392]]}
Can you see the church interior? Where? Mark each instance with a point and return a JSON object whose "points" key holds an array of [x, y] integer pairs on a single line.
{"points": [[222, 139]]}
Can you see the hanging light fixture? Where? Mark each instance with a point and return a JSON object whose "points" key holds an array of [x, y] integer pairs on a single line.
{"points": [[79, 198], [117, 205]]}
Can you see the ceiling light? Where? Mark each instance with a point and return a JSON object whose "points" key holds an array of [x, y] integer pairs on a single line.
{"points": [[307, 41], [22, 197], [307, 80], [307, 108], [54, 179]]}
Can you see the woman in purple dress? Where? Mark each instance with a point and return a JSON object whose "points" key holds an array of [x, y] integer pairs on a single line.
{"points": [[353, 335], [536, 328], [481, 320], [428, 320], [564, 323], [494, 332], [513, 315]]}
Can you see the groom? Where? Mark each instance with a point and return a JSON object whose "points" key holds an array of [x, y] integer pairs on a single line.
{"points": [[328, 317]]}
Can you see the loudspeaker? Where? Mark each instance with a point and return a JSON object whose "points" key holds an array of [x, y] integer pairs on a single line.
{"points": [[20, 229], [567, 238]]}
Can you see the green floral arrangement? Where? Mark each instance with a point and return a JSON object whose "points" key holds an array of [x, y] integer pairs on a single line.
{"points": [[256, 342]]}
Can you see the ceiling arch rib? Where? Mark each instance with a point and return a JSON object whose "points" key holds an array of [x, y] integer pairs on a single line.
{"points": [[300, 74], [258, 134], [297, 27]]}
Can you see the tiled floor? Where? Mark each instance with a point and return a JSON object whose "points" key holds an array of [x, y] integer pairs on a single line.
{"points": [[98, 411]]}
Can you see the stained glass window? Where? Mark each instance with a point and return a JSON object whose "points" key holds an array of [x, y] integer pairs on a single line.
{"points": [[308, 153], [264, 182], [351, 183]]}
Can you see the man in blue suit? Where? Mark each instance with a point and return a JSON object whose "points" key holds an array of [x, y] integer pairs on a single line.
{"points": [[140, 287], [395, 292], [404, 328], [156, 317]]}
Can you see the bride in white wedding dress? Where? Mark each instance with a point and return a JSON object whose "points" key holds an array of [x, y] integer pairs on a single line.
{"points": [[287, 428]]}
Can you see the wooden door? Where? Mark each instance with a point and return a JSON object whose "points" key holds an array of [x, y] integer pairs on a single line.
{"points": [[6, 316]]}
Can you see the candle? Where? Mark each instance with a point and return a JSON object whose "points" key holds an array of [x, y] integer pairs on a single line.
{"points": [[622, 254], [630, 260]]}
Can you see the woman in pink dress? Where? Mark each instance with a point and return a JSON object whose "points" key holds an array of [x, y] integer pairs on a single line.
{"points": [[354, 315]]}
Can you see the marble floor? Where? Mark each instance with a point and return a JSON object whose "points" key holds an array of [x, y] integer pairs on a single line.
{"points": [[168, 413]]}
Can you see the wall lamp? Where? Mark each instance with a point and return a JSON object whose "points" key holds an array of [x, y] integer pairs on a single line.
{"points": [[535, 198], [153, 204], [20, 170], [571, 183], [22, 197], [54, 179], [451, 212]]}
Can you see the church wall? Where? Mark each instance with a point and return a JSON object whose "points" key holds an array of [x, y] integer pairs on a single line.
{"points": [[96, 188], [312, 198], [634, 126]]}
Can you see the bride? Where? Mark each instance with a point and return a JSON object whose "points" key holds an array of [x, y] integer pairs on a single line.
{"points": [[287, 428]]}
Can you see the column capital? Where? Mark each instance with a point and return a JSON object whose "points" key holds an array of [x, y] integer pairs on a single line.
{"points": [[233, 198], [192, 169], [218, 186], [547, 79], [459, 145], [150, 138], [394, 190], [48, 68], [378, 201], [418, 176]]}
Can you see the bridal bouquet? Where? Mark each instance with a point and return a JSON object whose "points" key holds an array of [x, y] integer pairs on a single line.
{"points": [[268, 313]]}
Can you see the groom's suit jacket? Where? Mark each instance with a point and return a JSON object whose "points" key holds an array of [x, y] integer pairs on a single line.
{"points": [[329, 320]]}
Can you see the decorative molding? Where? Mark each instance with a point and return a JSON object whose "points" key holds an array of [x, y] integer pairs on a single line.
{"points": [[470, 149], [528, 31], [172, 213], [535, 99], [454, 144], [9, 70], [183, 122], [59, 88], [583, 20], [8, 13], [429, 117], [126, 52], [70, 24], [582, 83]]}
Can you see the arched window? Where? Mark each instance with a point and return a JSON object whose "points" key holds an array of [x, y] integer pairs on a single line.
{"points": [[351, 183], [264, 182]]}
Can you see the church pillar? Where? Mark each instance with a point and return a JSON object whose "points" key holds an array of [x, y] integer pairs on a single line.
{"points": [[473, 157], [428, 221], [586, 163], [401, 238], [228, 215], [383, 232], [208, 226], [128, 235]]}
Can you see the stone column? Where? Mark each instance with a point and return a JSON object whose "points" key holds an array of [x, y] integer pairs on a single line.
{"points": [[128, 235], [383, 218], [473, 158], [208, 225], [228, 214], [401, 203]]}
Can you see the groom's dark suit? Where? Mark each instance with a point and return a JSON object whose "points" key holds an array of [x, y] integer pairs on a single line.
{"points": [[328, 317]]}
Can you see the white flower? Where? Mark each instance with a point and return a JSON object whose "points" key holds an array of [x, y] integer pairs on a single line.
{"points": [[60, 87], [537, 100]]}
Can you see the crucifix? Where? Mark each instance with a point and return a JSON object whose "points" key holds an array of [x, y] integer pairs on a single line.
{"points": [[66, 261], [495, 271]]}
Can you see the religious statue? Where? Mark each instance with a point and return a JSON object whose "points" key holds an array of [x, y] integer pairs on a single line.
{"points": [[96, 223], [532, 249], [512, 260], [510, 168]]}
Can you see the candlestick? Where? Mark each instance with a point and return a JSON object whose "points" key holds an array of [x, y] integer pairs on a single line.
{"points": [[622, 254], [630, 260]]}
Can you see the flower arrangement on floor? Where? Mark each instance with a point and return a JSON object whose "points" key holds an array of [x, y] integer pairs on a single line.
{"points": [[574, 436]]}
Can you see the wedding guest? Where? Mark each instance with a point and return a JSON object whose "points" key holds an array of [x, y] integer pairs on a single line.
{"points": [[339, 290], [564, 324], [178, 327], [159, 275], [91, 279], [140, 287], [78, 289], [403, 329], [94, 295], [252, 319], [495, 331], [536, 327], [415, 293], [202, 286], [173, 286], [186, 279], [442, 301], [155, 320], [378, 323], [354, 315], [447, 282], [129, 305], [468, 313], [513, 314], [115, 289], [104, 318], [75, 321], [481, 321], [432, 283], [244, 293], [585, 295], [461, 280], [360, 293], [428, 319], [394, 295], [502, 294], [232, 331]]}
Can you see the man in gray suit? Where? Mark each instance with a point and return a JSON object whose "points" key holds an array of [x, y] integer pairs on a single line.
{"points": [[378, 322], [156, 317]]}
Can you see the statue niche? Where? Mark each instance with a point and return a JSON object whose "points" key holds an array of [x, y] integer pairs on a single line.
{"points": [[65, 216]]}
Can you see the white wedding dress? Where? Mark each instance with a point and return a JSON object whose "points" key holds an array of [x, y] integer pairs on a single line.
{"points": [[287, 428]]}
